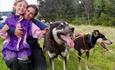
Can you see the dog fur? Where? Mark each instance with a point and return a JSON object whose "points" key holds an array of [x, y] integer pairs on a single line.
{"points": [[86, 42], [54, 44]]}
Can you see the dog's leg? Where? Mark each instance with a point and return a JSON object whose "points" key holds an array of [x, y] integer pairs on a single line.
{"points": [[63, 54], [64, 63], [79, 58], [51, 55], [87, 57], [52, 63]]}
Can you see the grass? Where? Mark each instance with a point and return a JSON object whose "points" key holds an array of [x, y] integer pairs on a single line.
{"points": [[98, 59]]}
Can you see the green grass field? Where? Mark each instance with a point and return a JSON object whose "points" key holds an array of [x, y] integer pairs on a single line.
{"points": [[98, 59]]}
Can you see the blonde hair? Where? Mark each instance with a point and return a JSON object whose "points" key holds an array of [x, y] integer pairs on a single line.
{"points": [[17, 1]]}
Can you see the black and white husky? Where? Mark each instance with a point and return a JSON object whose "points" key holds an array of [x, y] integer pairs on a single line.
{"points": [[56, 40]]}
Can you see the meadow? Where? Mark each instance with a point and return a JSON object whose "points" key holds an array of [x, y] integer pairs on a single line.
{"points": [[98, 60]]}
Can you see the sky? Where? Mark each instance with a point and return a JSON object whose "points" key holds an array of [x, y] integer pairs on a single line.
{"points": [[6, 5]]}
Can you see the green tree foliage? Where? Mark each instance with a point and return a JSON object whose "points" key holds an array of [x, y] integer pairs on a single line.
{"points": [[95, 12], [104, 12], [58, 9], [104, 20]]}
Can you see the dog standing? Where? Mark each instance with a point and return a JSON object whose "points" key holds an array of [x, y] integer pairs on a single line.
{"points": [[88, 41], [56, 40]]}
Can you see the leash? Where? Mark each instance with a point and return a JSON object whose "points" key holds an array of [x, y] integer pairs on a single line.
{"points": [[77, 35]]}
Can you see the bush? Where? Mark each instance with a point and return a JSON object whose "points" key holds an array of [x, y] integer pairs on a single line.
{"points": [[104, 20], [78, 21]]}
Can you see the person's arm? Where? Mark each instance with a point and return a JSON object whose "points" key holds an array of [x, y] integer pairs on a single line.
{"points": [[3, 31], [37, 32], [10, 30], [5, 28], [41, 25], [16, 31]]}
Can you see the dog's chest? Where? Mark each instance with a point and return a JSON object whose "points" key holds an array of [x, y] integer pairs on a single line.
{"points": [[56, 48], [52, 45]]}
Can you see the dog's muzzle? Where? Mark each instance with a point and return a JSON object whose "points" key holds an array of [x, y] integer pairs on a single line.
{"points": [[68, 40], [104, 43]]}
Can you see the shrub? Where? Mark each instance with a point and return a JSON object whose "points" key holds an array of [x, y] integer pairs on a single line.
{"points": [[78, 21], [104, 20]]}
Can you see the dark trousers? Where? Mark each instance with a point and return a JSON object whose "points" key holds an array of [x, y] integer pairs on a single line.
{"points": [[12, 64], [25, 65], [15, 64], [37, 57]]}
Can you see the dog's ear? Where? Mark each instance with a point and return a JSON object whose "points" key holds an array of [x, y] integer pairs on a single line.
{"points": [[96, 33], [53, 25]]}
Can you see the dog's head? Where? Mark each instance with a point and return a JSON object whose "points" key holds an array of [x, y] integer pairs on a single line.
{"points": [[101, 39], [61, 27], [61, 31]]}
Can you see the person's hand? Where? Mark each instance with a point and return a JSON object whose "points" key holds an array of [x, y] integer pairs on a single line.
{"points": [[5, 28], [18, 31], [45, 31]]}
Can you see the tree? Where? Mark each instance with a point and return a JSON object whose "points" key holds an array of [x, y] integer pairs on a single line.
{"points": [[58, 9], [85, 9]]}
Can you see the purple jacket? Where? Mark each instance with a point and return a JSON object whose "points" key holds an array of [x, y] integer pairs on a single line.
{"points": [[13, 41]]}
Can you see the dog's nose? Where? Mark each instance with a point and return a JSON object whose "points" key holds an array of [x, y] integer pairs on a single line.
{"points": [[111, 42], [72, 29]]}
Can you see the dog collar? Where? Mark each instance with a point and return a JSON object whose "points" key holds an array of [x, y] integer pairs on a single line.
{"points": [[90, 39]]}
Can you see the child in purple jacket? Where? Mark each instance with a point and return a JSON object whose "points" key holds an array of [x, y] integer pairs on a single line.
{"points": [[15, 49]]}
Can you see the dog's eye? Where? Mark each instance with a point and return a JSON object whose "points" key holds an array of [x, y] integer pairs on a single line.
{"points": [[61, 25], [102, 36]]}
